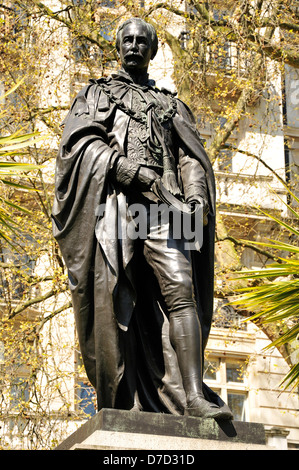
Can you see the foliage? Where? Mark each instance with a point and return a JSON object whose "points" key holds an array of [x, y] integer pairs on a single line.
{"points": [[12, 146], [275, 298]]}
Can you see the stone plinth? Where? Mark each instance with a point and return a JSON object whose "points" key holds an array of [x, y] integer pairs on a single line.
{"points": [[113, 429]]}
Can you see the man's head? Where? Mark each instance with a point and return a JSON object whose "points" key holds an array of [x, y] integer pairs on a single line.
{"points": [[136, 43]]}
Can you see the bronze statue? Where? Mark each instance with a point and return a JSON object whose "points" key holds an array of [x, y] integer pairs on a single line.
{"points": [[143, 305]]}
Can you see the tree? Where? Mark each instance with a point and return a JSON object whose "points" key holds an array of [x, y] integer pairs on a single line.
{"points": [[224, 59], [30, 272], [12, 145]]}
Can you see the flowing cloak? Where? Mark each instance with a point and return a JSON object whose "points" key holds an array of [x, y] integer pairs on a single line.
{"points": [[121, 321]]}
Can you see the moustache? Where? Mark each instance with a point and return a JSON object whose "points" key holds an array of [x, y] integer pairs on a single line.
{"points": [[133, 56]]}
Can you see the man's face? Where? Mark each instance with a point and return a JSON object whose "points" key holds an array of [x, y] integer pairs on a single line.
{"points": [[135, 48]]}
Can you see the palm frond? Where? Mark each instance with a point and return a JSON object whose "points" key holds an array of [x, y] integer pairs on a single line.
{"points": [[276, 299], [291, 378], [13, 145]]}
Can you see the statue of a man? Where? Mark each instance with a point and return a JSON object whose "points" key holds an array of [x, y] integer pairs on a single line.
{"points": [[143, 305]]}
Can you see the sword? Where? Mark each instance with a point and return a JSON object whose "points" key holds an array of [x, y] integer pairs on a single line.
{"points": [[159, 191], [168, 198]]}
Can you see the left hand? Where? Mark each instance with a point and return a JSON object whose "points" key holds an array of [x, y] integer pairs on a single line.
{"points": [[170, 183], [197, 200]]}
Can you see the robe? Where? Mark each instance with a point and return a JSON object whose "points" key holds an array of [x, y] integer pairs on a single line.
{"points": [[122, 329]]}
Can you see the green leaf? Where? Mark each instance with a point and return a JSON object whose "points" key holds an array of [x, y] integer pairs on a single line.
{"points": [[20, 144], [16, 206], [292, 378], [23, 187], [13, 88]]}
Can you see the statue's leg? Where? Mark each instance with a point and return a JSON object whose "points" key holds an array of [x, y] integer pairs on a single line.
{"points": [[172, 268], [185, 336]]}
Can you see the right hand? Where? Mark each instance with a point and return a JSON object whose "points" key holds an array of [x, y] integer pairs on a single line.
{"points": [[145, 177]]}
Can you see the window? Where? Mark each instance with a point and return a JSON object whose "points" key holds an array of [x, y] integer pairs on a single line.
{"points": [[225, 316], [13, 283], [85, 397], [84, 391], [108, 3], [2, 358], [234, 372], [210, 372], [236, 402], [227, 377], [83, 49], [21, 19], [15, 378], [19, 392], [225, 160], [102, 3], [222, 56]]}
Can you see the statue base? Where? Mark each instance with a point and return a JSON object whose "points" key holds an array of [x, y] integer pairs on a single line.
{"points": [[115, 430]]}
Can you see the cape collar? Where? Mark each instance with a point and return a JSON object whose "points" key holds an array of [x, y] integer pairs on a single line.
{"points": [[123, 76]]}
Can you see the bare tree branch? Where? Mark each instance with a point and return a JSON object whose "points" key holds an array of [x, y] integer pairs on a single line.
{"points": [[34, 301], [236, 242]]}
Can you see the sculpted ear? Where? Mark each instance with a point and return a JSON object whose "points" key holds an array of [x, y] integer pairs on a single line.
{"points": [[154, 53]]}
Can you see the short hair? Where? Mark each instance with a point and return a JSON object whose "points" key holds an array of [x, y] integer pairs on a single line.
{"points": [[150, 30]]}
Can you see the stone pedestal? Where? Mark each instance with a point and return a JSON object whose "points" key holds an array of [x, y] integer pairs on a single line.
{"points": [[127, 430], [277, 437]]}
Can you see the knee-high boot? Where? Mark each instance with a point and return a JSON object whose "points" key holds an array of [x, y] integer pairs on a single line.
{"points": [[185, 336]]}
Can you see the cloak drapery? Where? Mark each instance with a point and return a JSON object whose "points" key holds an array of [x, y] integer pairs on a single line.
{"points": [[122, 329]]}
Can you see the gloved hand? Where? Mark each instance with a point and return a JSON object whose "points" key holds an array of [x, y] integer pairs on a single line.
{"points": [[130, 174], [144, 178], [194, 200], [170, 183]]}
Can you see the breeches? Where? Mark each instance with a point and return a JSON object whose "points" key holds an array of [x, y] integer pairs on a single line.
{"points": [[170, 261]]}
